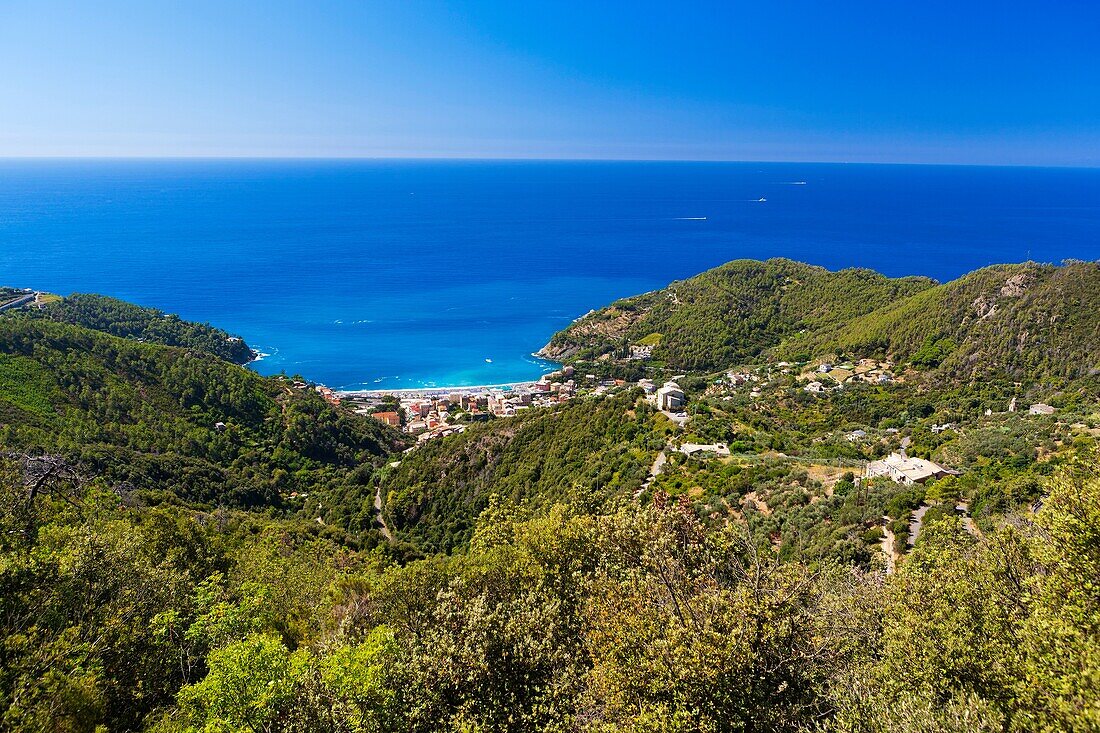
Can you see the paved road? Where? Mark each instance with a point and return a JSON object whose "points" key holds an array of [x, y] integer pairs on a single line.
{"points": [[916, 521], [15, 303], [655, 469]]}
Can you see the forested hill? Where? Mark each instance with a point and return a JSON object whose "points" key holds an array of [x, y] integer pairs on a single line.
{"points": [[119, 318], [1026, 322], [173, 423], [731, 313], [162, 568], [1023, 322], [586, 452]]}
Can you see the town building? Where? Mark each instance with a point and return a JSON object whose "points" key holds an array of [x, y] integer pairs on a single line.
{"points": [[390, 418]]}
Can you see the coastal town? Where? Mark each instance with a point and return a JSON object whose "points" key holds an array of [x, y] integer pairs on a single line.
{"points": [[438, 412]]}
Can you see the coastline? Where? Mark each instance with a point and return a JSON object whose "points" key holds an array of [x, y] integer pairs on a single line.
{"points": [[430, 391]]}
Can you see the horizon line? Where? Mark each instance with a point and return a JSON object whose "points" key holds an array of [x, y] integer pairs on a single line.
{"points": [[524, 159]]}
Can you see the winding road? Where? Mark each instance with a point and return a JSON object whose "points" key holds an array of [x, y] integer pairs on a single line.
{"points": [[658, 464]]}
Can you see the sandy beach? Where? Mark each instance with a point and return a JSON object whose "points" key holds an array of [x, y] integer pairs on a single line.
{"points": [[435, 391]]}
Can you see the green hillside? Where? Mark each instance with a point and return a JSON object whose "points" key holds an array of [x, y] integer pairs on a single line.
{"points": [[730, 314], [172, 422], [127, 320], [1022, 322], [584, 451], [188, 546]]}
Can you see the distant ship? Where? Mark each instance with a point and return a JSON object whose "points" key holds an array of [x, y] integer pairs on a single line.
{"points": [[761, 200], [488, 361]]}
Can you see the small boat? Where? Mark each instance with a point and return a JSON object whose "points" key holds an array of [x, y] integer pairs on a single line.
{"points": [[761, 200], [488, 361]]}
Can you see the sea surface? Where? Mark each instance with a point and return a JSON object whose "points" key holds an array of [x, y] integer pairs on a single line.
{"points": [[397, 274]]}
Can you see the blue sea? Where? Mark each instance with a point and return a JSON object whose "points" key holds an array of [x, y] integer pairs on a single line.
{"points": [[397, 274]]}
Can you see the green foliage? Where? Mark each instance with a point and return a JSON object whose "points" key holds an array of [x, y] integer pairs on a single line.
{"points": [[734, 312], [126, 320], [1001, 633], [248, 685], [932, 352], [147, 417], [638, 619], [583, 452], [24, 387], [1023, 322], [738, 594]]}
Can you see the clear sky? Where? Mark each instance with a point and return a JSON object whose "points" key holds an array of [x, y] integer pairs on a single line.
{"points": [[1007, 82]]}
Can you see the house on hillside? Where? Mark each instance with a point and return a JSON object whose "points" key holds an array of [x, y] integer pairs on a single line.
{"points": [[1040, 409], [905, 470], [719, 449], [671, 398]]}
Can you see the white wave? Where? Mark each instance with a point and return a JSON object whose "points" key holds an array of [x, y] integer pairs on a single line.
{"points": [[261, 355]]}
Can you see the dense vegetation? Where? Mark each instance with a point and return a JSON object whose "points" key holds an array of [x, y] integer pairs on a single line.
{"points": [[177, 424], [1012, 321], [127, 320], [188, 546], [643, 619], [589, 450], [1009, 321], [732, 313]]}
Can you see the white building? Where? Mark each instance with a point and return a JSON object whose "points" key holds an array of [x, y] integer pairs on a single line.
{"points": [[1040, 409], [670, 397], [720, 449], [905, 470]]}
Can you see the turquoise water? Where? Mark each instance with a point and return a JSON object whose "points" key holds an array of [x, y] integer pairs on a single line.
{"points": [[407, 273]]}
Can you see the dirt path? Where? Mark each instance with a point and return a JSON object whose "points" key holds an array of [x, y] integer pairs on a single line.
{"points": [[888, 546], [378, 515]]}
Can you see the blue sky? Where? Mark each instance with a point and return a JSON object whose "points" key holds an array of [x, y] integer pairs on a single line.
{"points": [[970, 82]]}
